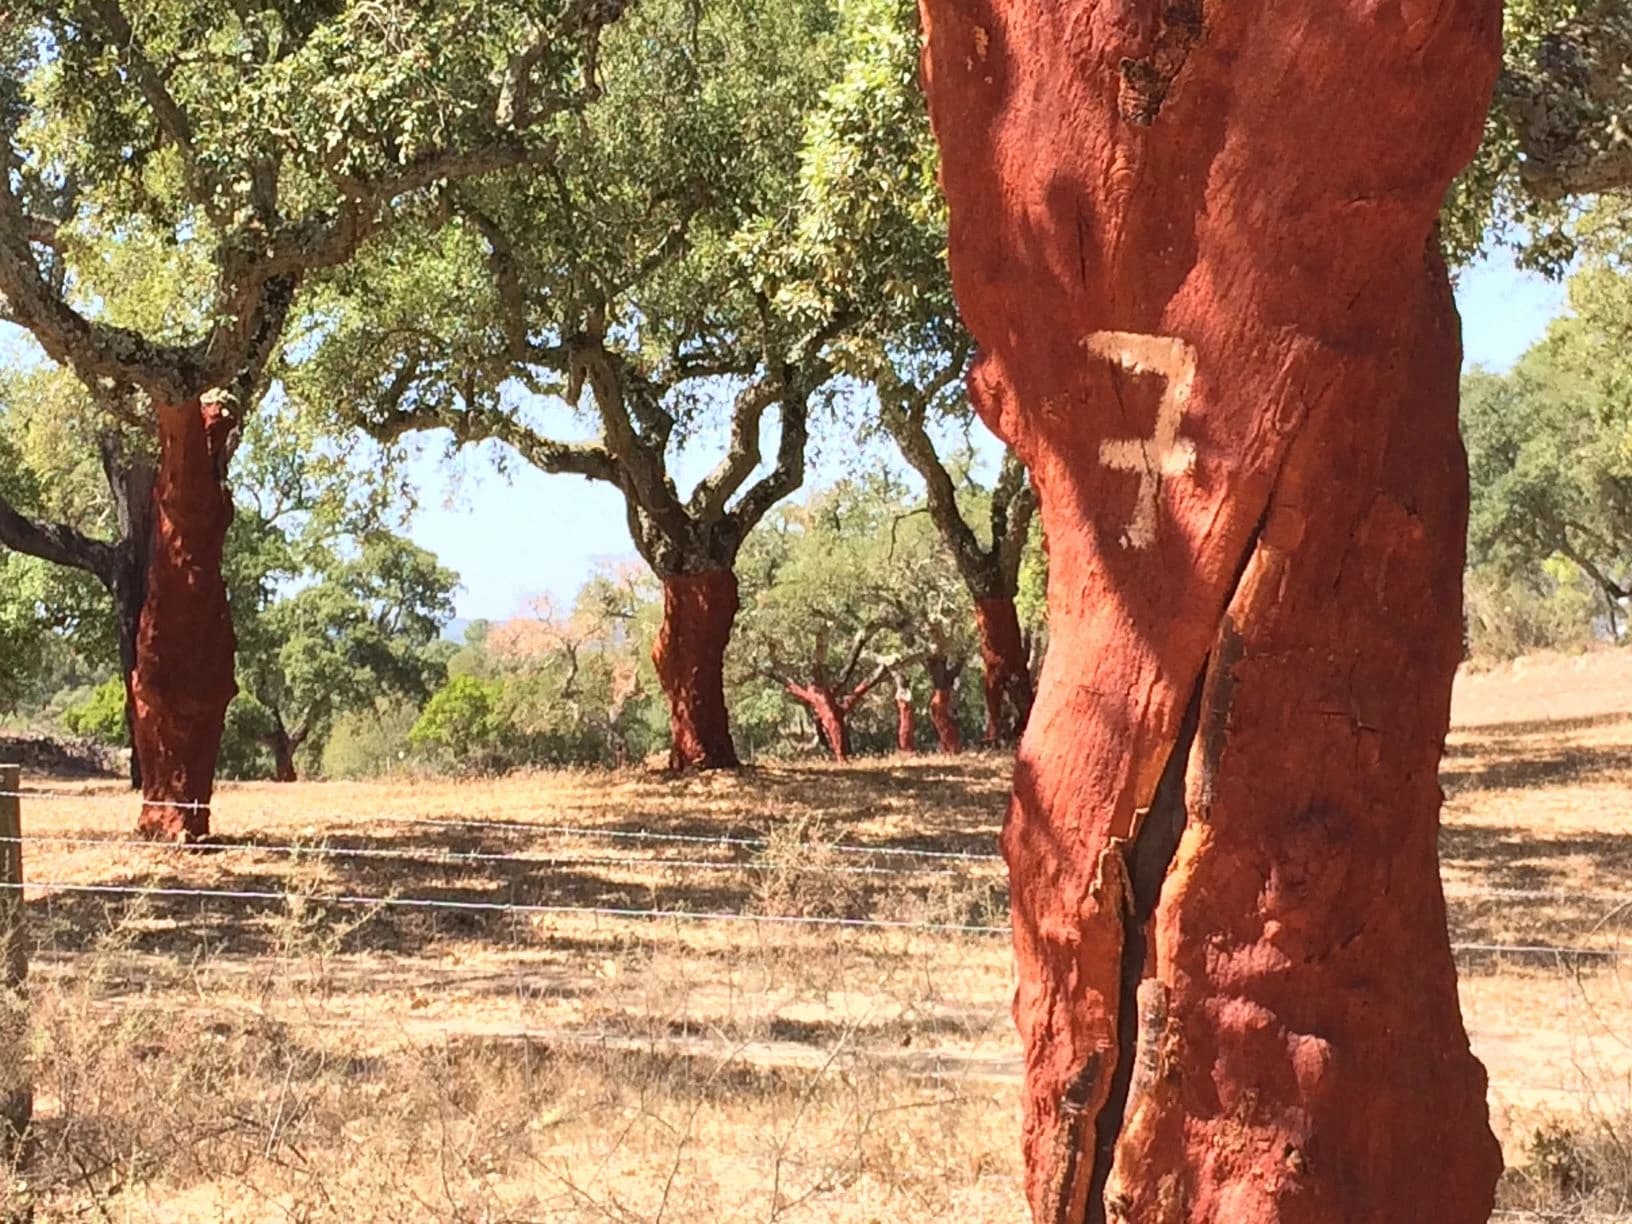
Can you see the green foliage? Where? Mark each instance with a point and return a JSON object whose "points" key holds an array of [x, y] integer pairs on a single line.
{"points": [[369, 743], [552, 689], [464, 727], [26, 626], [1492, 204], [1550, 461], [357, 636], [245, 752], [852, 583], [101, 716], [663, 221], [1546, 608]]}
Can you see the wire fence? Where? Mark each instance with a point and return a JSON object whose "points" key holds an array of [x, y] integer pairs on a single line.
{"points": [[749, 854], [749, 857]]}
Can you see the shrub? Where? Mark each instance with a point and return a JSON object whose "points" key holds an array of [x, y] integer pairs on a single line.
{"points": [[369, 743], [99, 716], [463, 727], [1508, 617]]}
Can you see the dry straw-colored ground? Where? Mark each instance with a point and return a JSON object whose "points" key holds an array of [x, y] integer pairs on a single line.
{"points": [[292, 1058]]}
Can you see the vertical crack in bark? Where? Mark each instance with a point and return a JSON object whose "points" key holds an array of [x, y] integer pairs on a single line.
{"points": [[1148, 857]]}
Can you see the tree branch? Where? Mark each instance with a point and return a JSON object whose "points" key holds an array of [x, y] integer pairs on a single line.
{"points": [[1014, 503], [742, 454], [58, 543]]}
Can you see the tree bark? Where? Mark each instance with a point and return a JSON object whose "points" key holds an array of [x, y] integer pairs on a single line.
{"points": [[947, 736], [1007, 672], [698, 612], [1196, 243], [906, 722], [832, 714], [130, 483], [127, 611], [183, 678], [943, 703], [284, 746]]}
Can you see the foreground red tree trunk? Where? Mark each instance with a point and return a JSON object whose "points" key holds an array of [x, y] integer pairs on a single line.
{"points": [[183, 678], [1196, 243], [698, 612], [1007, 669]]}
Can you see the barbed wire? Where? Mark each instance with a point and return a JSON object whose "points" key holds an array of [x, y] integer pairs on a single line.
{"points": [[1561, 952], [568, 830], [504, 907], [323, 851], [86, 796]]}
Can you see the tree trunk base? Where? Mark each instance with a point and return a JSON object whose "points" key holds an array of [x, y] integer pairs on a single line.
{"points": [[698, 613], [947, 736], [183, 680]]}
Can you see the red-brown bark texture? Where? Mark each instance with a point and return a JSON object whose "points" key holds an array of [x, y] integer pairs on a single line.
{"points": [[698, 612], [183, 679], [1196, 244], [1007, 669], [947, 736], [906, 722], [831, 710]]}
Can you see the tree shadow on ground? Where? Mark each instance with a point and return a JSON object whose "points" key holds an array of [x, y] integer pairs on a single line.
{"points": [[1551, 766], [403, 894], [1570, 913], [948, 804]]}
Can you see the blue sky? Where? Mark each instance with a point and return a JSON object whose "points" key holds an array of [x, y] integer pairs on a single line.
{"points": [[515, 535]]}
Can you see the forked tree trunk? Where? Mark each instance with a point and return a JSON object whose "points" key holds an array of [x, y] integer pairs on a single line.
{"points": [[698, 612], [1007, 674], [1197, 244], [284, 745], [832, 715], [283, 760], [183, 680], [906, 722]]}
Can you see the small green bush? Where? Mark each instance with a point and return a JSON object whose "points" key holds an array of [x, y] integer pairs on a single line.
{"points": [[101, 715], [463, 727], [369, 743]]}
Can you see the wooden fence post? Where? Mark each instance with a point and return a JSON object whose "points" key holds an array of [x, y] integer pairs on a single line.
{"points": [[16, 1093]]}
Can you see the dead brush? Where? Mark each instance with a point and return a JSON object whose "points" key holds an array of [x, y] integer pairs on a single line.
{"points": [[1577, 1168], [961, 898], [803, 874]]}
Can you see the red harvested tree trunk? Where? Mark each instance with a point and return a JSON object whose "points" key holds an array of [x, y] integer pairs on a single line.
{"points": [[183, 679], [941, 712], [906, 721], [1196, 242], [698, 612], [942, 703], [831, 713], [1007, 674]]}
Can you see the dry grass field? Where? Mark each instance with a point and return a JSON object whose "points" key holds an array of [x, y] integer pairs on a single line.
{"points": [[286, 1055]]}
